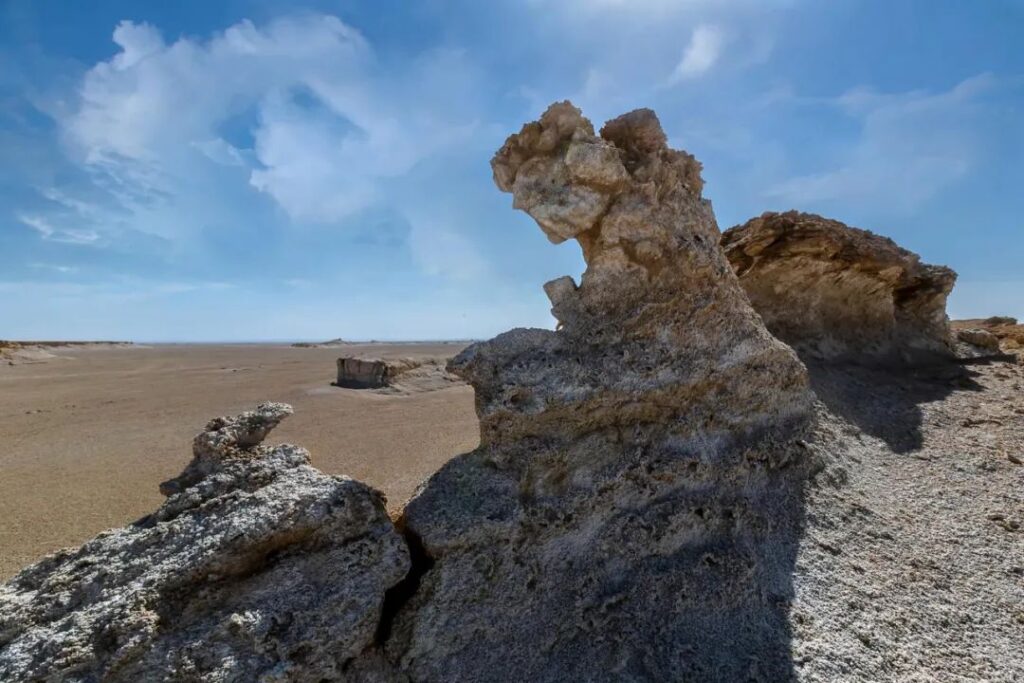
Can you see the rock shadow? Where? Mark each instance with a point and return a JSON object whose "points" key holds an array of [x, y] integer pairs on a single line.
{"points": [[693, 583], [886, 402]]}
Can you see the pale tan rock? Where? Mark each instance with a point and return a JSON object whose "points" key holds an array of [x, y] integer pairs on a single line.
{"points": [[363, 373], [832, 291], [1006, 329], [983, 339], [634, 501]]}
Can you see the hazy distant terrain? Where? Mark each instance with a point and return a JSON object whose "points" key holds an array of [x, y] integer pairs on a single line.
{"points": [[89, 434]]}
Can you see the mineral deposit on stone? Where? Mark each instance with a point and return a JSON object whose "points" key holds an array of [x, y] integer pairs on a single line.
{"points": [[833, 291]]}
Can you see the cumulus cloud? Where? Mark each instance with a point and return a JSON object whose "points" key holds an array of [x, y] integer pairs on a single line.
{"points": [[701, 54], [300, 110]]}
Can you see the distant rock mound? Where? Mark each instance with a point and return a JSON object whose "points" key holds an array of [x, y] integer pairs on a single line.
{"points": [[832, 291], [979, 338], [394, 375], [330, 343], [27, 352], [372, 373], [1007, 332], [257, 567], [632, 509]]}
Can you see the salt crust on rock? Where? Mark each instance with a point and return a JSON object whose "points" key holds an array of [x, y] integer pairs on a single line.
{"points": [[257, 567], [633, 509], [832, 291]]}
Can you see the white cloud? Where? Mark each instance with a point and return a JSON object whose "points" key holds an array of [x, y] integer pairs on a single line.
{"points": [[911, 147], [63, 270], [137, 42], [298, 109], [220, 151], [53, 234], [701, 54]]}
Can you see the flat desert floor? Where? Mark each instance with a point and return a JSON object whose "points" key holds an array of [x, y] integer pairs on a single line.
{"points": [[86, 438]]}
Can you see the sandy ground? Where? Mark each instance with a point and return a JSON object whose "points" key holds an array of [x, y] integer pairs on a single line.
{"points": [[86, 437]]}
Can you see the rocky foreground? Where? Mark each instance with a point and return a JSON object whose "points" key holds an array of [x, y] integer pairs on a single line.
{"points": [[664, 490]]}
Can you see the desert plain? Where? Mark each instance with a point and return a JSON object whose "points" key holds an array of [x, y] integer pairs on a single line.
{"points": [[87, 433]]}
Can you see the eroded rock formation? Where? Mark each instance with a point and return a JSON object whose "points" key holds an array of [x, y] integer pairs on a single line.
{"points": [[832, 291], [371, 373], [632, 510], [257, 567]]}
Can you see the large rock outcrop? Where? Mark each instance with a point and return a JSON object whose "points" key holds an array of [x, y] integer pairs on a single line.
{"points": [[257, 567], [632, 510], [832, 291]]}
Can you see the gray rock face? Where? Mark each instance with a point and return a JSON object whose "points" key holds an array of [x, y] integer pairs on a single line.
{"points": [[257, 567], [633, 509], [832, 291]]}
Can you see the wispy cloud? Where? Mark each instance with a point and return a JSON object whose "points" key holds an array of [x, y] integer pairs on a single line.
{"points": [[701, 54], [911, 146], [53, 234], [53, 267]]}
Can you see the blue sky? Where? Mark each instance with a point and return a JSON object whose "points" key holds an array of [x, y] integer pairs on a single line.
{"points": [[283, 170]]}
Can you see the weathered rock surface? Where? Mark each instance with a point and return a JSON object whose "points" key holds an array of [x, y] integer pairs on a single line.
{"points": [[832, 291], [257, 567], [633, 509], [371, 373], [975, 336]]}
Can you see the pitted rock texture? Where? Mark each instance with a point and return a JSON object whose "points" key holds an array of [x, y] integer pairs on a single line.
{"points": [[257, 567], [832, 291], [633, 509]]}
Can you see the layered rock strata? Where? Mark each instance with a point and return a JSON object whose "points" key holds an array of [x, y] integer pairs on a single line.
{"points": [[832, 291], [257, 567], [633, 509]]}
